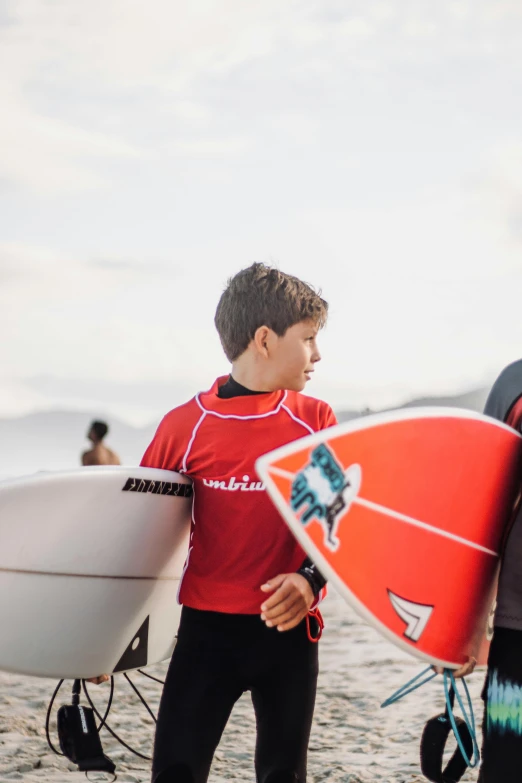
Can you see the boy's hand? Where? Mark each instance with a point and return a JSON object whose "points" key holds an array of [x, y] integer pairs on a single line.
{"points": [[99, 680], [463, 671], [289, 603]]}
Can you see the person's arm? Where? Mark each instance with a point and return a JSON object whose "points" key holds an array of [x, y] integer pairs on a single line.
{"points": [[504, 403], [290, 602], [165, 450], [161, 453], [293, 595], [308, 568], [329, 419], [505, 398], [171, 445]]}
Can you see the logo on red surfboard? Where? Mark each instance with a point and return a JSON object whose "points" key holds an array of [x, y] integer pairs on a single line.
{"points": [[324, 491], [415, 615]]}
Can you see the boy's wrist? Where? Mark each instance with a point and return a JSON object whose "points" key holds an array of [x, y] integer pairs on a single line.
{"points": [[313, 576]]}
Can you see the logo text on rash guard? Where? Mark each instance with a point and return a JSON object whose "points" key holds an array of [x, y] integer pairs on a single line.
{"points": [[158, 487], [232, 485]]}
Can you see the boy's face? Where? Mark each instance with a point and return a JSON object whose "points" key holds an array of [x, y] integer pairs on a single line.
{"points": [[294, 355]]}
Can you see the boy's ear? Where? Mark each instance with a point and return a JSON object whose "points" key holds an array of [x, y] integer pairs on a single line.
{"points": [[262, 340]]}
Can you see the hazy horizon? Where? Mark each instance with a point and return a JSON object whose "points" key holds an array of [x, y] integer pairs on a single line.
{"points": [[110, 411], [54, 440]]}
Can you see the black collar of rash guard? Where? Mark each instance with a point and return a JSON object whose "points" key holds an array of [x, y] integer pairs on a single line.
{"points": [[433, 743], [232, 388]]}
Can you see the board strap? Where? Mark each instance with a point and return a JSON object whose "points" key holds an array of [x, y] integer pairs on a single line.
{"points": [[314, 617], [433, 743], [437, 730]]}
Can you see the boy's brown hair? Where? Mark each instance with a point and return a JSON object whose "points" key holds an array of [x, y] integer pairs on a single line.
{"points": [[263, 296]]}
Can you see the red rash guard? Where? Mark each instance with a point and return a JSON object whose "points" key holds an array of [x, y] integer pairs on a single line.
{"points": [[238, 539]]}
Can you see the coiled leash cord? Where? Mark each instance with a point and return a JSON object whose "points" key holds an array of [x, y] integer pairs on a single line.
{"points": [[103, 719], [438, 728], [50, 707]]}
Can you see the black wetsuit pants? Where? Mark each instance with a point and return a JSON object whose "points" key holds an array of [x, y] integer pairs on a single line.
{"points": [[502, 725], [217, 658]]}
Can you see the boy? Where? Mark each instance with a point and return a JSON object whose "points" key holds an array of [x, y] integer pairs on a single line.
{"points": [[502, 726], [247, 589]]}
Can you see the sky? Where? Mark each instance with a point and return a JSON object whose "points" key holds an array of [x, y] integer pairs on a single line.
{"points": [[148, 151]]}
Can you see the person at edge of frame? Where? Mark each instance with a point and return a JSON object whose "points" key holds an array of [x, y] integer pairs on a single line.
{"points": [[249, 620], [502, 693]]}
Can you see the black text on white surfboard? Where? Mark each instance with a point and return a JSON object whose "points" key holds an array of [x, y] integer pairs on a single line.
{"points": [[157, 487], [415, 616]]}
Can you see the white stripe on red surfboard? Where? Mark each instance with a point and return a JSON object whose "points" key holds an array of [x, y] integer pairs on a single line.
{"points": [[390, 512]]}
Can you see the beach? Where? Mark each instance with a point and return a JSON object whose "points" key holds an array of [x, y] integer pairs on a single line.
{"points": [[353, 740]]}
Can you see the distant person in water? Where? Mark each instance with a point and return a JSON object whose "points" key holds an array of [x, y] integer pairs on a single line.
{"points": [[99, 454]]}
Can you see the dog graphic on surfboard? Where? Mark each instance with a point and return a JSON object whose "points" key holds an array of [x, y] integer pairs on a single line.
{"points": [[324, 491]]}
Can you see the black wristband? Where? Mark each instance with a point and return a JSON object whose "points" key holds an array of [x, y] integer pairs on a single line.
{"points": [[313, 576]]}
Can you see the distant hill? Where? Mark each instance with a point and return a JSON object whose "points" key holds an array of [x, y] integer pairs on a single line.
{"points": [[54, 440], [473, 400]]}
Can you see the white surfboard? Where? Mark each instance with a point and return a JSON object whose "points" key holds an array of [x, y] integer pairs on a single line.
{"points": [[90, 565]]}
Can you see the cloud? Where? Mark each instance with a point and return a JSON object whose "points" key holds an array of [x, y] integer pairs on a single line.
{"points": [[50, 154], [370, 147], [89, 91], [230, 147], [126, 265], [17, 399], [149, 394], [67, 80], [69, 318]]}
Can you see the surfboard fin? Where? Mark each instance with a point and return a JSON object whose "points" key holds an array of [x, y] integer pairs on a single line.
{"points": [[136, 654]]}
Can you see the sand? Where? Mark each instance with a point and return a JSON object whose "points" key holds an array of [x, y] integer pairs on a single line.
{"points": [[353, 740]]}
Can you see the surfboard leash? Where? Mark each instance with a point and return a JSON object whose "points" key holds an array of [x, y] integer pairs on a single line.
{"points": [[103, 719], [409, 686], [108, 728], [140, 697], [146, 674], [438, 728], [51, 705], [48, 719], [78, 735]]}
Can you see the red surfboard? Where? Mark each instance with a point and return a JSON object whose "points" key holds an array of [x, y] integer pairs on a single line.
{"points": [[404, 512]]}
